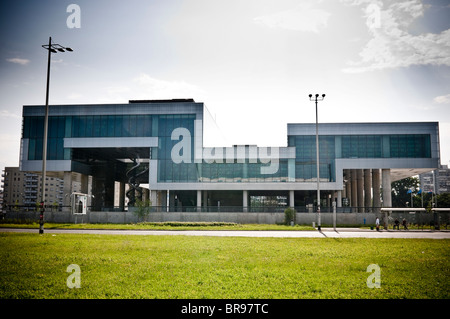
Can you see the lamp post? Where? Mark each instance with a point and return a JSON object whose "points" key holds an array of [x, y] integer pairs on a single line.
{"points": [[51, 48], [316, 99]]}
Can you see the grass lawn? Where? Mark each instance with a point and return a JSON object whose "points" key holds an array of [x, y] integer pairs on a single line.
{"points": [[169, 267], [160, 226]]}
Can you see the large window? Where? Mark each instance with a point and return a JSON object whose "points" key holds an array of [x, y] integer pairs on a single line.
{"points": [[168, 170], [353, 146], [33, 129], [59, 127], [361, 146], [305, 162], [112, 126], [414, 146]]}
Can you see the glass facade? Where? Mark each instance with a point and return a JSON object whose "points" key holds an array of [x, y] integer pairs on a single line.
{"points": [[300, 169], [305, 157], [410, 146], [60, 127], [353, 146], [112, 126], [168, 170], [33, 129], [242, 172], [215, 172]]}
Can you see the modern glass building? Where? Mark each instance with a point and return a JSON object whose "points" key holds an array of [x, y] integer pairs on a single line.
{"points": [[159, 144]]}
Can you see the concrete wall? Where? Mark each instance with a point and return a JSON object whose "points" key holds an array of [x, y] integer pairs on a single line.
{"points": [[241, 218], [235, 217]]}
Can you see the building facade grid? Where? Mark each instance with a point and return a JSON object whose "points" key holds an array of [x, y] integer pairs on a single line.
{"points": [[121, 142]]}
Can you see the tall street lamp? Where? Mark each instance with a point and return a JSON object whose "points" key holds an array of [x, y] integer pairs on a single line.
{"points": [[51, 48], [316, 99]]}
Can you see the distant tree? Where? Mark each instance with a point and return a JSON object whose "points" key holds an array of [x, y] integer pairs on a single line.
{"points": [[443, 200], [401, 194], [426, 198]]}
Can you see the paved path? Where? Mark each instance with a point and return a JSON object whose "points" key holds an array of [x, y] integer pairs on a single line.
{"points": [[325, 233]]}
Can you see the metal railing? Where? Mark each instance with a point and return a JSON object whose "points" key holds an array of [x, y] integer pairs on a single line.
{"points": [[435, 219], [215, 209]]}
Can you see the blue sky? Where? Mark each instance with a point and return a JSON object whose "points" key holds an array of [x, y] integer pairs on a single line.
{"points": [[252, 62]]}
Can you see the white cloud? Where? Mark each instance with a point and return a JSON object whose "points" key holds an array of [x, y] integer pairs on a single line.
{"points": [[115, 94], [74, 96], [117, 89], [152, 88], [302, 18], [10, 144], [392, 46], [145, 87], [8, 114], [19, 61], [442, 99]]}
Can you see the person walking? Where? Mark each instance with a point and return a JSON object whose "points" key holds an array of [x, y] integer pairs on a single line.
{"points": [[377, 224], [404, 224]]}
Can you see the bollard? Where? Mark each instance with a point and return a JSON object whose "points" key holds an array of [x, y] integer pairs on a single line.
{"points": [[41, 219]]}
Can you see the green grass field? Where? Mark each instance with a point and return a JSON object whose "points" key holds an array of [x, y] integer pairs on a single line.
{"points": [[159, 226], [169, 267]]}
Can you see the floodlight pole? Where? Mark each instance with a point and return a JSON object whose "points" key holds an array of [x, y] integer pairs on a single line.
{"points": [[316, 99], [51, 48]]}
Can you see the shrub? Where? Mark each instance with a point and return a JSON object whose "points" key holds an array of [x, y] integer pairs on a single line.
{"points": [[289, 215], [142, 209]]}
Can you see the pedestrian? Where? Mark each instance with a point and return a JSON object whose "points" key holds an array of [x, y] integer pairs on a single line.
{"points": [[404, 224], [397, 224], [377, 224]]}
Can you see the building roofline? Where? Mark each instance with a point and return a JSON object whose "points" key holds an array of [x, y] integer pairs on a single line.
{"points": [[365, 123], [162, 101]]}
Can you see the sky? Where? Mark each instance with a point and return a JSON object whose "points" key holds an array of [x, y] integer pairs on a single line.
{"points": [[252, 63]]}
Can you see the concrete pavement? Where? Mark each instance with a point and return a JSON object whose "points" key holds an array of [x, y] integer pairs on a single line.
{"points": [[324, 233]]}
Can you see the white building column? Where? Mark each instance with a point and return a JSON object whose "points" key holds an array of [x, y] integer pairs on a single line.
{"points": [[291, 199], [245, 200], [153, 197], [339, 198], [199, 201], [386, 184], [376, 190]]}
